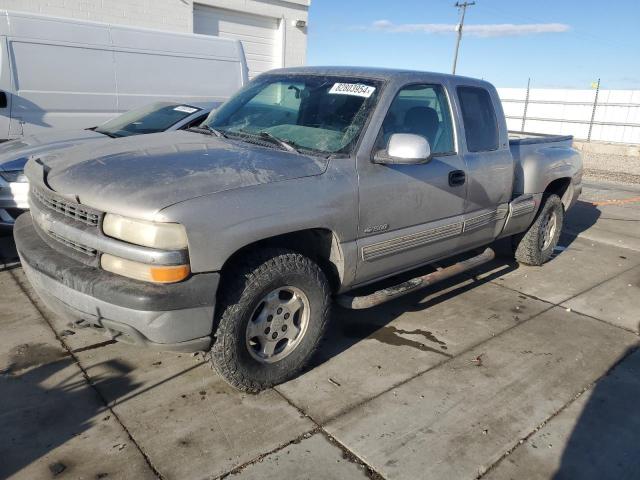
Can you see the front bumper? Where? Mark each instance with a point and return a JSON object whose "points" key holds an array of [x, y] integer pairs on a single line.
{"points": [[177, 317]]}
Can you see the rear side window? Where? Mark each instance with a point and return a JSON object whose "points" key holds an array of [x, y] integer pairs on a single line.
{"points": [[479, 119]]}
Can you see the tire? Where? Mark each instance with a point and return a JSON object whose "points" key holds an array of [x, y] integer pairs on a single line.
{"points": [[247, 295], [536, 246]]}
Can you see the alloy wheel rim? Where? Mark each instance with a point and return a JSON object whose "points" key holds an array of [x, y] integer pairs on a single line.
{"points": [[277, 324], [549, 226]]}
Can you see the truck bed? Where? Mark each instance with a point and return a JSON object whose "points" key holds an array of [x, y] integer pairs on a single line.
{"points": [[528, 138], [535, 154]]}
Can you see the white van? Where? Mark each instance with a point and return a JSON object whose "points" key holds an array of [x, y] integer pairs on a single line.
{"points": [[72, 74]]}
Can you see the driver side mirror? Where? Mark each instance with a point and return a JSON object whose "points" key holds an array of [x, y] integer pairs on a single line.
{"points": [[404, 149]]}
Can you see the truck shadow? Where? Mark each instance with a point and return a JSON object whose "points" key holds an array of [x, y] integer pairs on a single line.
{"points": [[578, 219], [605, 440], [44, 404], [349, 327]]}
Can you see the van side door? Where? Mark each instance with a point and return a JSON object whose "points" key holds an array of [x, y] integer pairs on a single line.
{"points": [[63, 74], [411, 214], [488, 164]]}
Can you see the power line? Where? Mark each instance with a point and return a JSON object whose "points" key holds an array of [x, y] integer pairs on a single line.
{"points": [[462, 7]]}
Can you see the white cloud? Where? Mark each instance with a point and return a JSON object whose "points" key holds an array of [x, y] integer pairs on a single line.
{"points": [[488, 30]]}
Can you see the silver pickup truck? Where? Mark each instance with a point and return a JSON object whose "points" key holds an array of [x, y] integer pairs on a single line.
{"points": [[310, 182]]}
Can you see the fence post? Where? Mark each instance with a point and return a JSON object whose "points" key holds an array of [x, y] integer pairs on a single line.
{"points": [[526, 105], [593, 112]]}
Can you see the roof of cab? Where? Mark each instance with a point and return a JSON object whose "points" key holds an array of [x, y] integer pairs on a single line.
{"points": [[374, 73]]}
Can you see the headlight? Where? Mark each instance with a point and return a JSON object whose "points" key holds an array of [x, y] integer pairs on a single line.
{"points": [[166, 236], [142, 271], [16, 176]]}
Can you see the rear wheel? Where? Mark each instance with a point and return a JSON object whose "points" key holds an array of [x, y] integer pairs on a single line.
{"points": [[536, 246], [273, 312]]}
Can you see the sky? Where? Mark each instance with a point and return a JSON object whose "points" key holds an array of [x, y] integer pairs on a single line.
{"points": [[558, 44]]}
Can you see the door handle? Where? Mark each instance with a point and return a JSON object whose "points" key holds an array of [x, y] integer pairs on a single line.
{"points": [[457, 177]]}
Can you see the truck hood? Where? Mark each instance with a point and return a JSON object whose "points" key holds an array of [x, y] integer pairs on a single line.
{"points": [[139, 176], [15, 153]]}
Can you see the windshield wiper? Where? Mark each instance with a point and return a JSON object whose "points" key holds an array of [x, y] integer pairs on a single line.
{"points": [[278, 141], [207, 130]]}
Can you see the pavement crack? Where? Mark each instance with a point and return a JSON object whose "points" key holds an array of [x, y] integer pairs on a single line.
{"points": [[70, 352], [577, 312], [422, 372], [260, 457], [579, 394], [94, 346], [352, 457], [346, 453]]}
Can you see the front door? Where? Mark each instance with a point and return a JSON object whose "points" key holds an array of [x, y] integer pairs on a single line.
{"points": [[411, 214]]}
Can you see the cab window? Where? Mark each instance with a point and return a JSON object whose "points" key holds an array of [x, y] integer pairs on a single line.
{"points": [[479, 119], [421, 110]]}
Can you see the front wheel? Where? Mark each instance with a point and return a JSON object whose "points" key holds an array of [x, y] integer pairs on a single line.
{"points": [[273, 312], [536, 246]]}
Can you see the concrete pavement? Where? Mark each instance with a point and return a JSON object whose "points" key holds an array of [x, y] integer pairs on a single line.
{"points": [[511, 372]]}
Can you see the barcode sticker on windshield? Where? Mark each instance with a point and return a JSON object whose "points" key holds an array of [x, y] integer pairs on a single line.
{"points": [[357, 89], [185, 109]]}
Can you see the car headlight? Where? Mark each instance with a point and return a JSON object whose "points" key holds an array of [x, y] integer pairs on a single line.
{"points": [[165, 236], [15, 176]]}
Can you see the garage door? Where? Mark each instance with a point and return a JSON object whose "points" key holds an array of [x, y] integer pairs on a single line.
{"points": [[259, 35]]}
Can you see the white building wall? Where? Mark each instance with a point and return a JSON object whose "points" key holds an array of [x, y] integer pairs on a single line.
{"points": [[295, 38], [177, 15], [172, 15], [570, 112]]}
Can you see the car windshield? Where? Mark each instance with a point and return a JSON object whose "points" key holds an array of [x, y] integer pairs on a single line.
{"points": [[156, 117], [323, 114]]}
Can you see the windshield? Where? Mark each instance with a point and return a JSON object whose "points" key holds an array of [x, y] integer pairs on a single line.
{"points": [[156, 117], [318, 113]]}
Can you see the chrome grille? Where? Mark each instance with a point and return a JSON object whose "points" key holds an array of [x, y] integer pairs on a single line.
{"points": [[74, 245], [66, 207]]}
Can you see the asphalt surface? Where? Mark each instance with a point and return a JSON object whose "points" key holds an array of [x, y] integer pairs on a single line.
{"points": [[506, 373]]}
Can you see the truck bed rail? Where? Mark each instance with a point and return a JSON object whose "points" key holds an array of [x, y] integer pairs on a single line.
{"points": [[529, 138]]}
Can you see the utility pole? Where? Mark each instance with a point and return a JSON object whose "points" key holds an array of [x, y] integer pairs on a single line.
{"points": [[462, 7]]}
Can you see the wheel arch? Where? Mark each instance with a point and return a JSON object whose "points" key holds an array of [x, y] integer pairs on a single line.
{"points": [[563, 188], [319, 244]]}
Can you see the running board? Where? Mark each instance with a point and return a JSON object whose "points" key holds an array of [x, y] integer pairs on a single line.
{"points": [[386, 294]]}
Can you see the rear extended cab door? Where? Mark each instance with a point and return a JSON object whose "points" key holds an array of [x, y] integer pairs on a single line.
{"points": [[484, 144]]}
